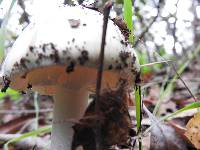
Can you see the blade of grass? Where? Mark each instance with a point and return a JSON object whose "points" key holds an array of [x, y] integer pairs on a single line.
{"points": [[138, 105], [128, 18], [14, 94], [188, 107], [3, 30], [180, 70], [170, 116], [42, 130], [155, 63], [162, 90]]}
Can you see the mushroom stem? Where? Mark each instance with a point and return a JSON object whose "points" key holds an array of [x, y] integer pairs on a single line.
{"points": [[69, 107]]}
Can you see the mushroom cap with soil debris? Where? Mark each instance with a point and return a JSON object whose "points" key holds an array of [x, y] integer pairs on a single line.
{"points": [[63, 47], [58, 55]]}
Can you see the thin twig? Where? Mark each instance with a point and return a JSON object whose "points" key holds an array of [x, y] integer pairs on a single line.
{"points": [[155, 63], [178, 75], [36, 105], [27, 111], [192, 95], [106, 13]]}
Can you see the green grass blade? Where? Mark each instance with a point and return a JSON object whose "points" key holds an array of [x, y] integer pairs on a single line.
{"points": [[128, 18], [180, 70], [138, 106], [43, 130], [12, 93], [188, 107], [162, 93], [170, 116]]}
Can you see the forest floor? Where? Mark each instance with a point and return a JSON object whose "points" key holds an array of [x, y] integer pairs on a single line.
{"points": [[31, 111]]}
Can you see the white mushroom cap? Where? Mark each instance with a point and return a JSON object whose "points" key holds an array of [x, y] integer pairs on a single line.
{"points": [[63, 49], [58, 55]]}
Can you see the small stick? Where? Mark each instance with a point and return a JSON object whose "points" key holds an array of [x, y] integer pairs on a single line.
{"points": [[106, 13], [179, 77], [155, 63], [27, 111]]}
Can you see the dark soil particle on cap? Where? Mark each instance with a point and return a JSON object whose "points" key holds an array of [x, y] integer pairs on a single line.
{"points": [[55, 56], [133, 61], [22, 92], [52, 46], [124, 56], [40, 57], [84, 57], [44, 47], [29, 86], [6, 84], [24, 76], [31, 48], [16, 64], [70, 67], [133, 71], [23, 62], [124, 42]]}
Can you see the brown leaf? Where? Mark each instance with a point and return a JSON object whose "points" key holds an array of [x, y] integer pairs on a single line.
{"points": [[193, 130], [114, 121], [15, 124]]}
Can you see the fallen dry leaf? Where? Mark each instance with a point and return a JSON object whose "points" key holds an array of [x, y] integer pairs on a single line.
{"points": [[193, 130], [164, 137], [14, 125]]}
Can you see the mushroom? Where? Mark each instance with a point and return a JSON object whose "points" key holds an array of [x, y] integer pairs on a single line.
{"points": [[58, 56]]}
